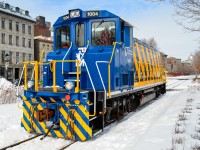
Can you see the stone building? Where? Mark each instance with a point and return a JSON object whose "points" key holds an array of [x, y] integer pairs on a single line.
{"points": [[16, 38]]}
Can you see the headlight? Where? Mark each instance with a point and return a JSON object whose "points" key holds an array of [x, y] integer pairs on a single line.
{"points": [[69, 85], [30, 84], [74, 13]]}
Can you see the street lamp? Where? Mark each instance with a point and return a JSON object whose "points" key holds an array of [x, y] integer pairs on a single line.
{"points": [[6, 65]]}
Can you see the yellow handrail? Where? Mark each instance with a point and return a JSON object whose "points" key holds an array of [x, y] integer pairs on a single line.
{"points": [[77, 77], [54, 76], [25, 77], [109, 91], [41, 56], [36, 69], [36, 76], [77, 89]]}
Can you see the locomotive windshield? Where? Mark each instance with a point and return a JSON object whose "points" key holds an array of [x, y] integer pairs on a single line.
{"points": [[80, 34], [103, 33], [63, 37]]}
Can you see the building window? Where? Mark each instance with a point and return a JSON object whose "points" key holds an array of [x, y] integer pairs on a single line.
{"points": [[23, 28], [29, 30], [29, 43], [3, 56], [23, 42], [29, 57], [10, 39], [17, 57], [3, 23], [3, 38], [23, 56], [17, 26], [10, 57], [47, 47], [17, 40], [10, 24]]}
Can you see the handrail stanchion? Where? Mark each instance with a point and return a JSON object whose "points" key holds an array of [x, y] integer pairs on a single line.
{"points": [[77, 76], [63, 60], [102, 82], [109, 89], [36, 76], [54, 76], [113, 51], [25, 76], [93, 89], [41, 56]]}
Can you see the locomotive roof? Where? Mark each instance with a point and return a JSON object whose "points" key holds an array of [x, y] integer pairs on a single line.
{"points": [[90, 14]]}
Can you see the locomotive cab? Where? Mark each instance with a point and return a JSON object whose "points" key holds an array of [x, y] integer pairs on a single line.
{"points": [[89, 38], [96, 74]]}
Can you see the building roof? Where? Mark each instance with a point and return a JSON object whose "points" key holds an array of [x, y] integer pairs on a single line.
{"points": [[15, 11], [44, 39]]}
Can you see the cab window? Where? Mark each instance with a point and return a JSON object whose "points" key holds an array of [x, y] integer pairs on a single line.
{"points": [[103, 33], [63, 37], [80, 34]]}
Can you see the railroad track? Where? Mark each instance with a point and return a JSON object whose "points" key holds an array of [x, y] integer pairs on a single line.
{"points": [[177, 84], [174, 83], [31, 138], [66, 146], [18, 143]]}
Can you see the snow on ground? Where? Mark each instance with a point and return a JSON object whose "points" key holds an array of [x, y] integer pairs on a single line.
{"points": [[8, 92], [155, 126]]}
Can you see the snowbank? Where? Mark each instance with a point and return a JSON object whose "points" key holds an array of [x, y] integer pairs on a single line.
{"points": [[7, 92]]}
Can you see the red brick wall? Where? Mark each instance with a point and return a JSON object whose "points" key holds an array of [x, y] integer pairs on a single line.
{"points": [[41, 30]]}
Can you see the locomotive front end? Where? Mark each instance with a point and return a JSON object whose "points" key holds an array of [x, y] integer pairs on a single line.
{"points": [[55, 111]]}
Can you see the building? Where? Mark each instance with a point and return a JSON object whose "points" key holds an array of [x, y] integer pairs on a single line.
{"points": [[42, 27], [40, 43], [163, 59], [43, 42], [17, 40]]}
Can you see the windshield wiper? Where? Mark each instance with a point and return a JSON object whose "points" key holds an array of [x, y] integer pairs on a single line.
{"points": [[100, 23]]}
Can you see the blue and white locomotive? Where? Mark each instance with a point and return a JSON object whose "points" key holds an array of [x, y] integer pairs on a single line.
{"points": [[97, 73]]}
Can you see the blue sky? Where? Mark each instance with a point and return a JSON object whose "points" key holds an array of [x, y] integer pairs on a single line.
{"points": [[150, 19]]}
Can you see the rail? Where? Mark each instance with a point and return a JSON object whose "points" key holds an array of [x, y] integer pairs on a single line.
{"points": [[41, 56], [54, 62], [154, 72], [65, 57], [113, 51], [92, 88], [102, 81]]}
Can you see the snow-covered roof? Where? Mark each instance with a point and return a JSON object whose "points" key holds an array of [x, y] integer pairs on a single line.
{"points": [[16, 11]]}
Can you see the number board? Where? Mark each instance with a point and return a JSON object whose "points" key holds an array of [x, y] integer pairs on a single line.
{"points": [[92, 13]]}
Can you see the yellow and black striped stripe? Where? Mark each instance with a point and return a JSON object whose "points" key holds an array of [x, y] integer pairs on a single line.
{"points": [[73, 120]]}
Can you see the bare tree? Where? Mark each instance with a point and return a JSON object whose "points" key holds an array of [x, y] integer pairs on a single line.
{"points": [[151, 42], [188, 12], [196, 61]]}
